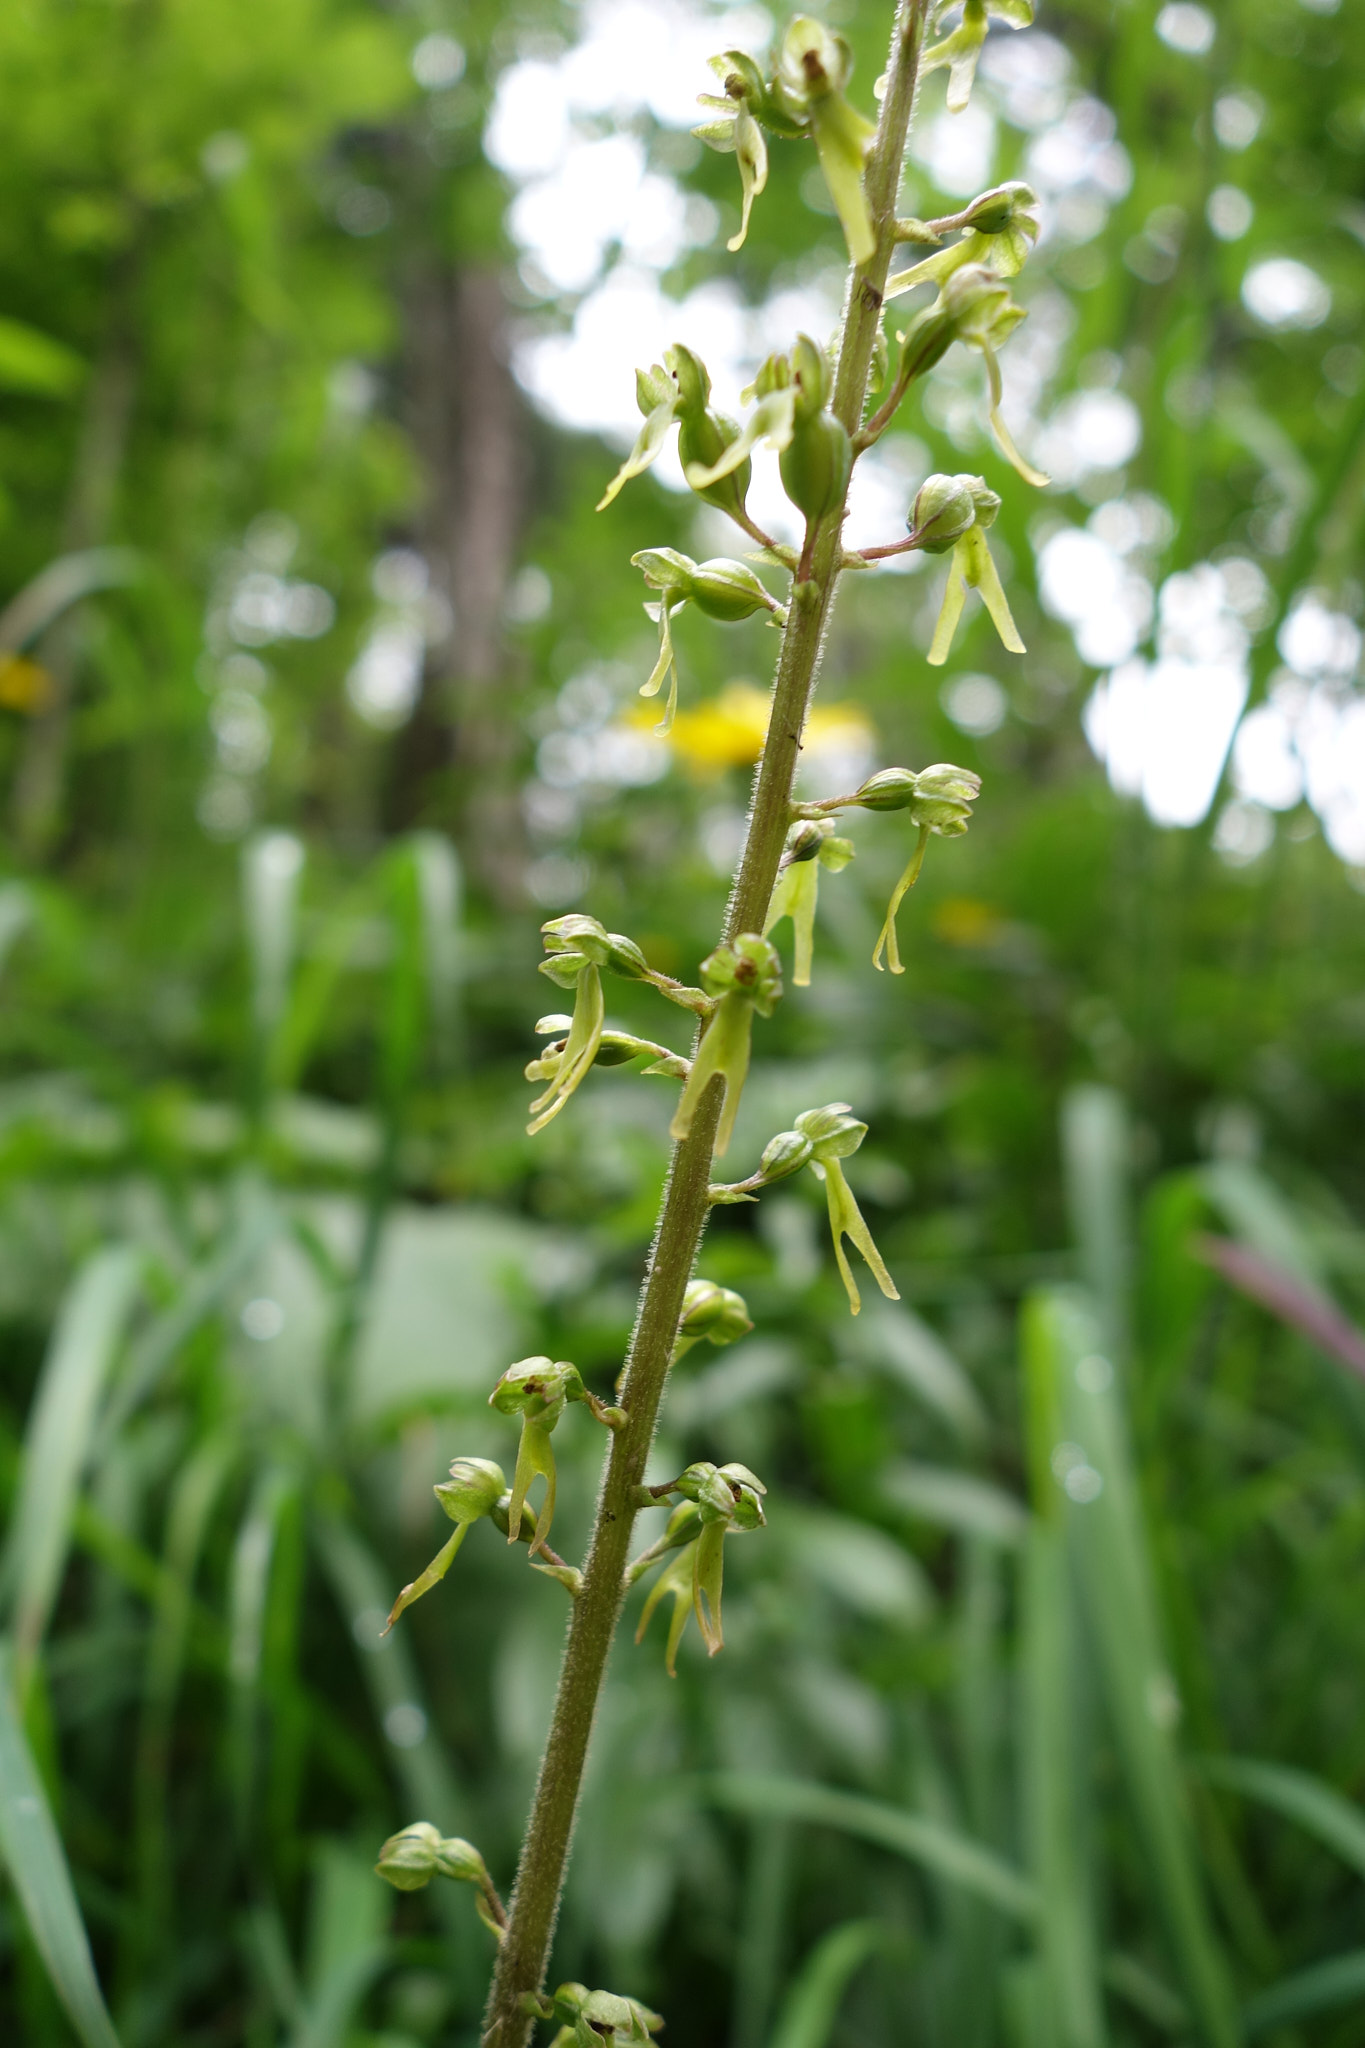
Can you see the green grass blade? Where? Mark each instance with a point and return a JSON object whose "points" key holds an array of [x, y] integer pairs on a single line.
{"points": [[1299, 1796], [364, 1593], [57, 1441], [1056, 1793], [248, 1609], [430, 1789], [1339, 1981], [201, 1295], [272, 867], [1075, 1401], [38, 1871], [440, 888], [1095, 1151], [16, 914], [811, 2007], [1256, 1211], [197, 1490], [942, 1850], [891, 1336], [347, 1943], [960, 1501]]}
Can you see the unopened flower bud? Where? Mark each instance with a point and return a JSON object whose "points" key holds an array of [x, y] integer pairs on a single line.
{"points": [[461, 1860], [501, 1518], [834, 1132], [813, 376], [408, 1860], [624, 957], [890, 789], [785, 1154], [943, 510], [996, 211], [729, 591], [619, 1048], [716, 1313], [473, 1489], [804, 841]]}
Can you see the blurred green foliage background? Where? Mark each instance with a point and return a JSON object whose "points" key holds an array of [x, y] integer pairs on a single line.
{"points": [[1039, 1720]]}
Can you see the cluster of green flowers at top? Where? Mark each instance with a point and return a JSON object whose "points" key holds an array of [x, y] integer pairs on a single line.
{"points": [[804, 97], [791, 412]]}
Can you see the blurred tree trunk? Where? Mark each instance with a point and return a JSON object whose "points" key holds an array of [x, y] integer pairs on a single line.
{"points": [[468, 424]]}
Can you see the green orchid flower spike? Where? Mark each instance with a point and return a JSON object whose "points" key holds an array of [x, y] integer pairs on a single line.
{"points": [[747, 977], [722, 589], [718, 1501], [1001, 227], [472, 1491], [813, 68], [737, 129], [961, 51], [538, 1390], [680, 389], [811, 845], [834, 1133]]}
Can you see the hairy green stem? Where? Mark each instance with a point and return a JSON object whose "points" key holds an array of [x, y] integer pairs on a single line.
{"points": [[524, 1953]]}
